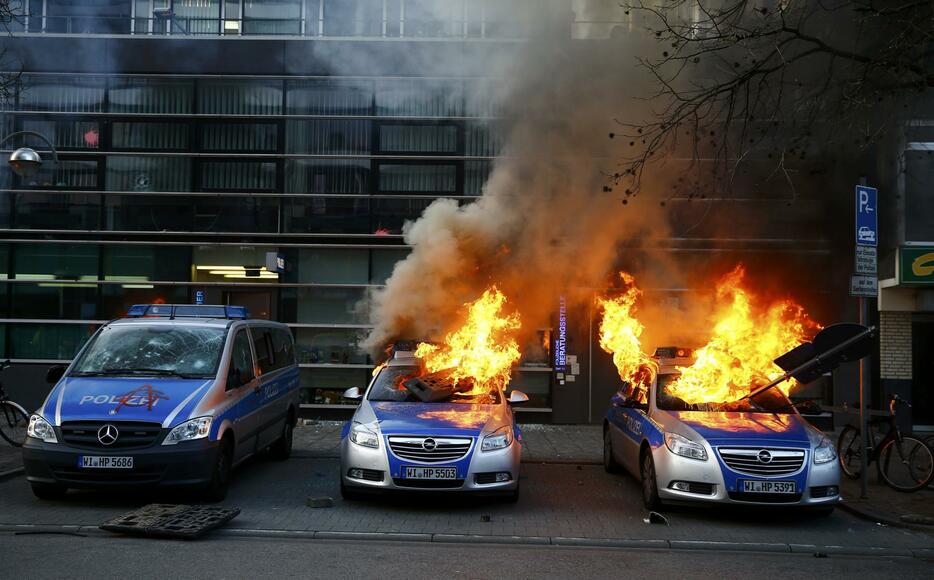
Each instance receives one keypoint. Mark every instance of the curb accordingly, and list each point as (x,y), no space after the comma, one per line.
(474,539)
(11,473)
(877,518)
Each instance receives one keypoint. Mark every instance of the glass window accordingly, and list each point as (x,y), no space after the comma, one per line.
(327,176)
(353,17)
(70,17)
(191,214)
(231,264)
(238,175)
(262,344)
(148,95)
(483,140)
(326,215)
(139,173)
(535,384)
(44,262)
(272,16)
(48,341)
(283,351)
(476,173)
(327,97)
(250,137)
(324,305)
(67,174)
(164,136)
(398,138)
(62,94)
(324,266)
(383,263)
(390,214)
(324,386)
(327,137)
(433,18)
(65,134)
(419,98)
(241,359)
(55,211)
(919,204)
(197,16)
(55,299)
(145,263)
(417,178)
(329,346)
(240,97)
(116,299)
(153,349)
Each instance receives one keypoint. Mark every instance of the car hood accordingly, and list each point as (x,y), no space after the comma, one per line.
(432,418)
(745,428)
(124,399)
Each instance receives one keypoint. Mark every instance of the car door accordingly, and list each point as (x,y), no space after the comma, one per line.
(242,383)
(628,417)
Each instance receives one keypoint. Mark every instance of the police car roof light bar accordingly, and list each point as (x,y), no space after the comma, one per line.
(187,311)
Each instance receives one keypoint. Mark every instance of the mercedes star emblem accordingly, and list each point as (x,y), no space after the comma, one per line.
(108,434)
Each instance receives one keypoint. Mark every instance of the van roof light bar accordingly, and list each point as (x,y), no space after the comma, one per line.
(187,311)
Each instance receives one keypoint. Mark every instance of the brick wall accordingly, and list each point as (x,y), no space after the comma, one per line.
(895,344)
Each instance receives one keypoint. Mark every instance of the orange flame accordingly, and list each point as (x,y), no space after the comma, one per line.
(468,417)
(746,422)
(620,334)
(483,350)
(746,339)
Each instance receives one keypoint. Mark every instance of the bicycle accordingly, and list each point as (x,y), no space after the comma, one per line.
(903,462)
(13,418)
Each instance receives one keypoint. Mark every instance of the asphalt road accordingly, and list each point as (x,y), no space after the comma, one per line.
(52,556)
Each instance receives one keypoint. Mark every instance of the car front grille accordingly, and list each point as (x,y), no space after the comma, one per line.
(130,434)
(762,462)
(430,449)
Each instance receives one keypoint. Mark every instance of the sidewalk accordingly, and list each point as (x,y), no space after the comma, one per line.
(10,458)
(886,506)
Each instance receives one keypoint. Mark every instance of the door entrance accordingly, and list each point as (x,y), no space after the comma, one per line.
(258,302)
(922,381)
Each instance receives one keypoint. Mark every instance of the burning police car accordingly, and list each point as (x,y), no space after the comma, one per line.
(758,450)
(418,432)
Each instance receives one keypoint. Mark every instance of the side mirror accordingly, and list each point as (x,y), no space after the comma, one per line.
(518,398)
(55,374)
(809,408)
(353,393)
(617,400)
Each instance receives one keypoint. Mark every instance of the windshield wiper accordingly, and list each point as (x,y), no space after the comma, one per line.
(138,371)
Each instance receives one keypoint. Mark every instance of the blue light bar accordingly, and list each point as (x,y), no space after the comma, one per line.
(187,311)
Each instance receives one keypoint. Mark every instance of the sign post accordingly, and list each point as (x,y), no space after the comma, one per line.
(865,284)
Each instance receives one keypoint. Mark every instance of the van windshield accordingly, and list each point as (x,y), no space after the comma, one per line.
(153,349)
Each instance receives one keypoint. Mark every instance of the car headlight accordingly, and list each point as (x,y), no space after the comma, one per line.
(684,447)
(364,435)
(189,431)
(39,428)
(499,439)
(823,447)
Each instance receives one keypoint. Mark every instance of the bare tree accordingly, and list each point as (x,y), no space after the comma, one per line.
(10,18)
(778,80)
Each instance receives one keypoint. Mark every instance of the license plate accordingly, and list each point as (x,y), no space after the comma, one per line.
(98,462)
(431,473)
(750,486)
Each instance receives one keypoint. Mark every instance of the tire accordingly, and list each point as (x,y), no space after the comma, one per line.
(609,462)
(223,470)
(848,451)
(906,466)
(650,497)
(13,423)
(282,448)
(49,492)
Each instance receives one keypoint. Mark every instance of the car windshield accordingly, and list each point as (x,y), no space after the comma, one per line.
(153,349)
(769,401)
(389,387)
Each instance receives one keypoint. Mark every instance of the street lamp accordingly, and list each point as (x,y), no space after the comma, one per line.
(26,161)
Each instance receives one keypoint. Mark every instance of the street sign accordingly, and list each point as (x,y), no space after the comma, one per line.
(275,262)
(867,222)
(916,265)
(865,286)
(199,296)
(866,262)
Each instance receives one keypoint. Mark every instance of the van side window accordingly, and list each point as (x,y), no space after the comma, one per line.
(241,361)
(282,342)
(265,355)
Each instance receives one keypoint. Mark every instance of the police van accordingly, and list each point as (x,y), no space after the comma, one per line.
(172,395)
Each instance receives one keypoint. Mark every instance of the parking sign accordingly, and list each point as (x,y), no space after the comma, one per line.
(867,222)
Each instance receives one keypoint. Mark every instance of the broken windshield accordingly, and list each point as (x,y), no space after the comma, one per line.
(768,401)
(153,349)
(390,386)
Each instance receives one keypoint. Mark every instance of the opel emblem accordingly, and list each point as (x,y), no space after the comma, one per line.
(765,457)
(108,434)
(429,444)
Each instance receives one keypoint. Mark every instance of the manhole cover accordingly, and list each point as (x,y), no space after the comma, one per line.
(171,520)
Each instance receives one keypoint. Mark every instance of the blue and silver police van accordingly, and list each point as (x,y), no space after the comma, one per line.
(172,395)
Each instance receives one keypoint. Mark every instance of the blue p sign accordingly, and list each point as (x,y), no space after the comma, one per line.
(867,222)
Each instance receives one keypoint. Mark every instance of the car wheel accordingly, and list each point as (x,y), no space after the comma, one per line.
(223,469)
(609,462)
(282,448)
(49,492)
(649,483)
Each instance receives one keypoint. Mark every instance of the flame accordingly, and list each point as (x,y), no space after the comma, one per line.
(483,350)
(465,418)
(746,422)
(746,337)
(620,333)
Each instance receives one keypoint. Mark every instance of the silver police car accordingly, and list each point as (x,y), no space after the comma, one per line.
(766,453)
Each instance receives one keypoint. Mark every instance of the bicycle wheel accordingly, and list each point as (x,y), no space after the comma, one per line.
(13,423)
(906,466)
(848,451)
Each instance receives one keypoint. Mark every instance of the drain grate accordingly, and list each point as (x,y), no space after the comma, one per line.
(171,520)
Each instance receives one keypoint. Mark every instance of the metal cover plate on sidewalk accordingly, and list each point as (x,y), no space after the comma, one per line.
(171,520)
